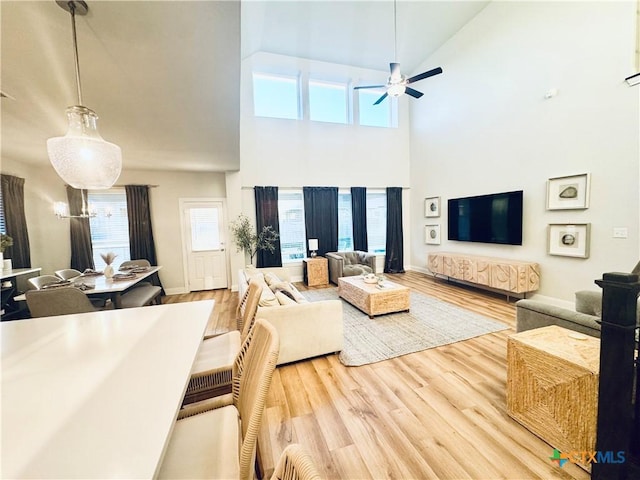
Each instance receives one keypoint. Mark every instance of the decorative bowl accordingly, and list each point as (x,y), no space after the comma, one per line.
(370,278)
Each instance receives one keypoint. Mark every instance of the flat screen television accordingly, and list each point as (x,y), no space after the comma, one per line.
(494,218)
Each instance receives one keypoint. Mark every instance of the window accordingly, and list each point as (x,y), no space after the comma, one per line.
(327,101)
(276,96)
(110,227)
(377,221)
(292,230)
(345,222)
(375,115)
(205,229)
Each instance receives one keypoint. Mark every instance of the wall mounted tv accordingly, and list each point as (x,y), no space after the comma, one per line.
(495,218)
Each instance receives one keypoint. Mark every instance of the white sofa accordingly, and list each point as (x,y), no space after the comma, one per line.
(306,329)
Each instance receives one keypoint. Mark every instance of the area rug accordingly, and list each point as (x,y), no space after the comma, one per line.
(430,323)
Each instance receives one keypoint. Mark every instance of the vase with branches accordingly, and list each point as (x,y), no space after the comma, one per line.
(5,242)
(247,240)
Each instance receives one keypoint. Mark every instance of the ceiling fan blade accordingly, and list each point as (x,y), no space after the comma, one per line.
(369,86)
(412,92)
(422,76)
(394,68)
(380,99)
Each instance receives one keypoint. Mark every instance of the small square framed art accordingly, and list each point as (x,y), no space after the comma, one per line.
(569,240)
(432,234)
(432,207)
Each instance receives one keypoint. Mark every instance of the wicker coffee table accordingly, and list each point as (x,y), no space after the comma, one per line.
(372,299)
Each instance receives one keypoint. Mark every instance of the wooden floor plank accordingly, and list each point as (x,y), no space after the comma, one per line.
(435,414)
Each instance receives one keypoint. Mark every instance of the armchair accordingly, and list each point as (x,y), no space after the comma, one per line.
(347,264)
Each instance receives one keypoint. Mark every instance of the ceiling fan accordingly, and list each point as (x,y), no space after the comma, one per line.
(397,84)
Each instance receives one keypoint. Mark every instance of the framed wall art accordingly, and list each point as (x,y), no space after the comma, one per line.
(432,234)
(568,193)
(569,240)
(432,207)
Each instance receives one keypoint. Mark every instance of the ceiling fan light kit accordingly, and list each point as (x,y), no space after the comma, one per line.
(397,84)
(82,158)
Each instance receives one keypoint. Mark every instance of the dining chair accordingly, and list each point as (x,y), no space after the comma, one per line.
(42,280)
(57,301)
(68,273)
(219,441)
(138,298)
(295,464)
(211,374)
(98,301)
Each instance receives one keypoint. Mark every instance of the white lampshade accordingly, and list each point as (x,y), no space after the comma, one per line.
(313,244)
(82,158)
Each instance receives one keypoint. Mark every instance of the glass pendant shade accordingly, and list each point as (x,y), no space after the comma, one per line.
(82,158)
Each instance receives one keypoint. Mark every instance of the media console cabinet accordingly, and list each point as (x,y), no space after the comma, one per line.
(510,276)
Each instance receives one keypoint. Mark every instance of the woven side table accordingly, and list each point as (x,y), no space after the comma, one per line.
(552,386)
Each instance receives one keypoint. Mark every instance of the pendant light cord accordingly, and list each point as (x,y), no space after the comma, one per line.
(72,10)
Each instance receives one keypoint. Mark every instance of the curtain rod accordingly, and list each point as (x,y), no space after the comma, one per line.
(135,185)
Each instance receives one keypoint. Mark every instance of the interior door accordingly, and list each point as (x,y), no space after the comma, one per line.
(206,259)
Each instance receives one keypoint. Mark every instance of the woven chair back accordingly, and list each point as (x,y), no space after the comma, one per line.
(57,301)
(251,307)
(252,374)
(295,464)
(68,273)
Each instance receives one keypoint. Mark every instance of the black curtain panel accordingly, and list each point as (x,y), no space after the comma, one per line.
(267,215)
(359,218)
(80,231)
(15,221)
(394,259)
(141,243)
(321,217)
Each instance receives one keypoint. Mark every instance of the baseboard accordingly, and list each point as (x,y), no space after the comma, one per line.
(175,291)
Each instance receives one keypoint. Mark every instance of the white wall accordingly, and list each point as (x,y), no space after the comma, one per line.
(297,153)
(49,236)
(484,126)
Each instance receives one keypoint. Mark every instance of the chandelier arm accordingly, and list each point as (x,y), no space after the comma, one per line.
(72,10)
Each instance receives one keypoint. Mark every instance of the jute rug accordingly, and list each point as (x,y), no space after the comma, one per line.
(430,323)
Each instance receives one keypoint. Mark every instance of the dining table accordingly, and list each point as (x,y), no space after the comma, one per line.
(96,283)
(95,395)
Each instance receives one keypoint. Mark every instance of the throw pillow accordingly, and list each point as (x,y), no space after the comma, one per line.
(283,298)
(271,278)
(267,298)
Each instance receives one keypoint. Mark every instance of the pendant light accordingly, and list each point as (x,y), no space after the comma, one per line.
(82,158)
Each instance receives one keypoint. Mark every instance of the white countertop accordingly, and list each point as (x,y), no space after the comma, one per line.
(95,395)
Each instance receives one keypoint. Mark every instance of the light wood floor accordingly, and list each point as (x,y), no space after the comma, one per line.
(435,414)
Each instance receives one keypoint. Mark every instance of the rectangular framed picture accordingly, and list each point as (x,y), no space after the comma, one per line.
(568,193)
(432,234)
(569,240)
(432,207)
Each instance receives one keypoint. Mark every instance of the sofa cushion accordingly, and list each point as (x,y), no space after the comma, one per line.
(267,297)
(589,302)
(291,291)
(350,258)
(271,278)
(285,298)
(351,270)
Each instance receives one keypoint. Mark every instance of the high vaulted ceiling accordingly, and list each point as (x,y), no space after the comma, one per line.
(164,76)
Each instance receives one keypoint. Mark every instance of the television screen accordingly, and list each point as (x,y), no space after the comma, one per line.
(495,218)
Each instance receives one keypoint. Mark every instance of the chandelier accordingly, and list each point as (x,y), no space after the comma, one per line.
(82,158)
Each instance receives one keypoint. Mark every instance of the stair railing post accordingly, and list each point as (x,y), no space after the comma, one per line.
(615,391)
